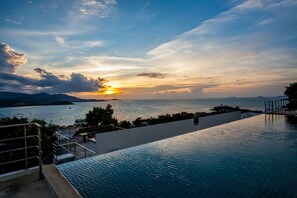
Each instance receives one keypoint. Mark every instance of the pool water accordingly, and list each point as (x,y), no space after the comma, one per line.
(255,157)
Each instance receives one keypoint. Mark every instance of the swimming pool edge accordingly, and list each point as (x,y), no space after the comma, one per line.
(58,184)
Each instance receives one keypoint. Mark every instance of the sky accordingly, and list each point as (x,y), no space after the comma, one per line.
(148,49)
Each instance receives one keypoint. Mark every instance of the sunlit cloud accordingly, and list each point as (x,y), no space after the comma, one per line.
(209,49)
(247,49)
(116,65)
(78,44)
(93,8)
(44,80)
(9,59)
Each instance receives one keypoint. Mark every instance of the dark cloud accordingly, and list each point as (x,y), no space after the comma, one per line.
(51,83)
(48,82)
(75,83)
(153,75)
(9,59)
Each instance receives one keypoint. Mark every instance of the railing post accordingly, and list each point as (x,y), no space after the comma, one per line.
(39,153)
(74,149)
(283,103)
(26,154)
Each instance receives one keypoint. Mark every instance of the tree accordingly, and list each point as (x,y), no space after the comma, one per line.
(291,92)
(125,124)
(137,122)
(100,115)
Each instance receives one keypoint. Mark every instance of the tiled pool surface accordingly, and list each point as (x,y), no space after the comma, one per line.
(255,157)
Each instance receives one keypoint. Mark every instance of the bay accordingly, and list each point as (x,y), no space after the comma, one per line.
(129,109)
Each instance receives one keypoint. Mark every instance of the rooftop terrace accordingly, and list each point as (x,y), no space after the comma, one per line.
(254,157)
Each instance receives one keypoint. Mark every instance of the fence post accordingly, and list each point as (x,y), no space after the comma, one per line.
(75,148)
(39,153)
(26,154)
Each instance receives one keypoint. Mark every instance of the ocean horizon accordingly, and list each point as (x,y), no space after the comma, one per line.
(130,109)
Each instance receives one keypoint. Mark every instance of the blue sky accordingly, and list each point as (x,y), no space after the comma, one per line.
(148,49)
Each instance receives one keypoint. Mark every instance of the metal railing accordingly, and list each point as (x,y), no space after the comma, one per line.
(26,147)
(271,106)
(65,145)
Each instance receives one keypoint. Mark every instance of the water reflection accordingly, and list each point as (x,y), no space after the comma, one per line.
(254,157)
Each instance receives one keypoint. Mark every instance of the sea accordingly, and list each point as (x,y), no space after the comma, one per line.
(130,109)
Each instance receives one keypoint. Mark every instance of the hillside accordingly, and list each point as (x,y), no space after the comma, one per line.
(10,99)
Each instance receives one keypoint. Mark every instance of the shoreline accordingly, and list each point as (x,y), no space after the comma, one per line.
(123,109)
(56,104)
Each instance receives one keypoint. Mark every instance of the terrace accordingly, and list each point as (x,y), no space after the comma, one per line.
(229,158)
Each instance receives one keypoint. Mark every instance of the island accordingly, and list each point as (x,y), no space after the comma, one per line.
(11,99)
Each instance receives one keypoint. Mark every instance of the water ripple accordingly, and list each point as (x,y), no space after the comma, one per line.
(241,159)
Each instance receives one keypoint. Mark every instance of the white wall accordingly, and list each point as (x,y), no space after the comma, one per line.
(116,140)
(214,120)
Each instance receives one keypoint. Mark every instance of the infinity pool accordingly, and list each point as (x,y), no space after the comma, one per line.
(255,157)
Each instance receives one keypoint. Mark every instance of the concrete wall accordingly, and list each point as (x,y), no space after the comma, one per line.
(116,140)
(111,141)
(214,120)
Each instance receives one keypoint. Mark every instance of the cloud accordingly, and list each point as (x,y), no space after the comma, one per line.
(153,75)
(250,4)
(251,39)
(46,81)
(44,33)
(78,44)
(101,9)
(61,84)
(109,66)
(9,59)
(163,88)
(51,83)
(13,21)
(60,40)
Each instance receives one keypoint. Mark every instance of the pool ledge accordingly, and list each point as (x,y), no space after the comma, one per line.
(58,184)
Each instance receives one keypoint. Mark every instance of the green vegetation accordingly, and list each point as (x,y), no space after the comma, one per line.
(163,119)
(47,135)
(102,116)
(291,92)
(125,124)
(226,109)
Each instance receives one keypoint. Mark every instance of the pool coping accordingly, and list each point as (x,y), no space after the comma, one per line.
(58,184)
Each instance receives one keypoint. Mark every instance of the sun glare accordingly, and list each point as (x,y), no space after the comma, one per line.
(110,91)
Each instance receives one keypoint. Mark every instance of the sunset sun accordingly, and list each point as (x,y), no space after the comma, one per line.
(110,91)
